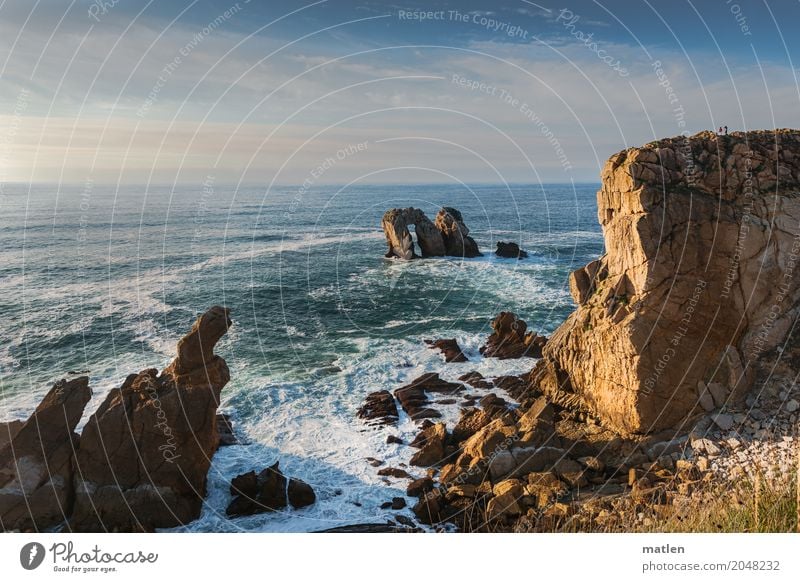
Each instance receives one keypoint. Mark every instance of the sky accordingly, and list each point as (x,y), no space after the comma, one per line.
(339,92)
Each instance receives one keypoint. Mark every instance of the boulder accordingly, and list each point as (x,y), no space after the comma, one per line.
(495,437)
(36,465)
(144,455)
(505,502)
(432,449)
(267,491)
(449,348)
(510,339)
(300,493)
(694,226)
(419,487)
(510,250)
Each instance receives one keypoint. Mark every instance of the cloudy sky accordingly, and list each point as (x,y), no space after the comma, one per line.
(474,91)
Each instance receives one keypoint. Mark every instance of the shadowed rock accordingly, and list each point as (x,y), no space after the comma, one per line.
(511,339)
(36,465)
(145,453)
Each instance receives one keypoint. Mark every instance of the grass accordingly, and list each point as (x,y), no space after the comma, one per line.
(748,506)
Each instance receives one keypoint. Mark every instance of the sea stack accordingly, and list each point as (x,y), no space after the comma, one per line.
(446,236)
(145,454)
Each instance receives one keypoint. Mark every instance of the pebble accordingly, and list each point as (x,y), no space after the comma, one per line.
(792,405)
(724,421)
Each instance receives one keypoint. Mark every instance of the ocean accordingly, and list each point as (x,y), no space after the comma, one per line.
(105,280)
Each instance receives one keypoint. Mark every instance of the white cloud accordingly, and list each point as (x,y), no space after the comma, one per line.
(229,115)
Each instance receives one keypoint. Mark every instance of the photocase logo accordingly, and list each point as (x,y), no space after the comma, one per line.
(31,555)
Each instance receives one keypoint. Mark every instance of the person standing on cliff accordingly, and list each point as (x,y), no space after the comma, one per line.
(719,131)
(726,130)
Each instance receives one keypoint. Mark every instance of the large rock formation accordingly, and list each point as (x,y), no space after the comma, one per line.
(36,465)
(448,236)
(702,238)
(144,455)
(455,234)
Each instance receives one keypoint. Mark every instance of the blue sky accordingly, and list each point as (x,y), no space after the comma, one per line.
(267,92)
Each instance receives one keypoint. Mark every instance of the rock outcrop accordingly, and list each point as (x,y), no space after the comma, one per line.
(450,349)
(511,339)
(699,278)
(36,465)
(447,236)
(145,454)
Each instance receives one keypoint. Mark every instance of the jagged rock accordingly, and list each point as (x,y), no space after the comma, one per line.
(36,465)
(705,400)
(511,339)
(536,425)
(476,380)
(510,250)
(494,437)
(428,509)
(432,447)
(694,227)
(414,401)
(455,234)
(449,348)
(379,408)
(145,453)
(545,487)
(471,421)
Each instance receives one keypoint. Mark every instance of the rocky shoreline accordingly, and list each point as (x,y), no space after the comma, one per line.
(660,389)
(674,377)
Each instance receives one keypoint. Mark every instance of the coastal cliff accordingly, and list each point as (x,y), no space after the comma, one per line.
(702,236)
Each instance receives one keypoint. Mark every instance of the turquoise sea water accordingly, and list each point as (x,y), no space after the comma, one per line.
(107,279)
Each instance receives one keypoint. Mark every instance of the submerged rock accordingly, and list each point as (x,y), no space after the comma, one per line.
(510,250)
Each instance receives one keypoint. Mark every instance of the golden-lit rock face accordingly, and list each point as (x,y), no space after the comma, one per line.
(699,279)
